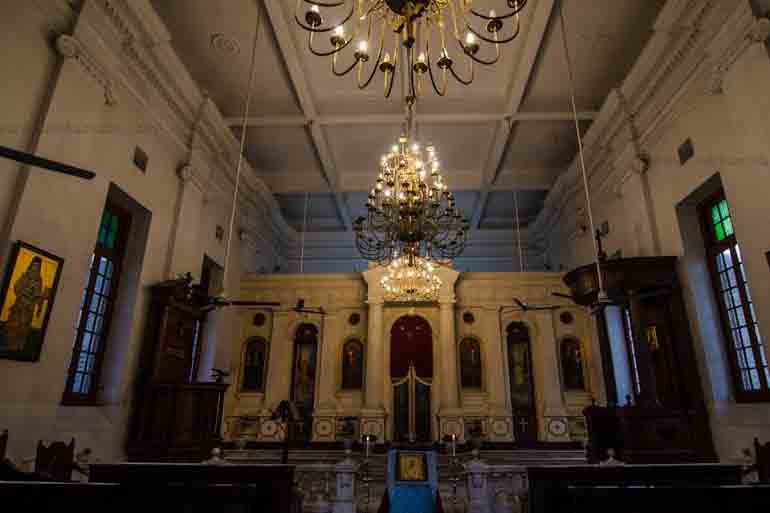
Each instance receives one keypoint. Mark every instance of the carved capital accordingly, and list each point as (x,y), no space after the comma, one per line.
(186,172)
(67,46)
(70,47)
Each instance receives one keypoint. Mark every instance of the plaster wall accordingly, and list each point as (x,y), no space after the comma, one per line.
(729,126)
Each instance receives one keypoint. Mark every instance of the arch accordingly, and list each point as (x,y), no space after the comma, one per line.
(411,341)
(572,364)
(469,355)
(352,364)
(254,360)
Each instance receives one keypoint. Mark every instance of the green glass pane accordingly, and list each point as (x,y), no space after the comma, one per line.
(720,232)
(723,209)
(103,228)
(728,224)
(715,215)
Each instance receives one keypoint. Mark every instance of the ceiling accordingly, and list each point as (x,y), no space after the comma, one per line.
(315,137)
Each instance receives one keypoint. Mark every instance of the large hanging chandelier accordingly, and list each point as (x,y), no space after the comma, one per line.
(422,27)
(411,280)
(410,211)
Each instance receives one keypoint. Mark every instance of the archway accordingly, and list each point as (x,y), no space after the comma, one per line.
(411,372)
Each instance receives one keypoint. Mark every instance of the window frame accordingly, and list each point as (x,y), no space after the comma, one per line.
(116,255)
(714,247)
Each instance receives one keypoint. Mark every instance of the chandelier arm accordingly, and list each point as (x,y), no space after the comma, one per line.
(347,70)
(496,39)
(459,78)
(336,50)
(319,3)
(442,91)
(479,60)
(389,83)
(519,6)
(322,30)
(376,65)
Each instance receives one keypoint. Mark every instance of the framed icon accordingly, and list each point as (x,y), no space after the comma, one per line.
(412,466)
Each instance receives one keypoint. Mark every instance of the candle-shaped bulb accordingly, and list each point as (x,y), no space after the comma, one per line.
(386,58)
(315,8)
(492,13)
(421,58)
(363,46)
(339,31)
(470,39)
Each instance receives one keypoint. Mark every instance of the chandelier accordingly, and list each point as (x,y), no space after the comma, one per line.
(422,27)
(411,280)
(410,212)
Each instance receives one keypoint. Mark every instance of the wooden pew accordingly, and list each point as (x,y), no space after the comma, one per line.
(3,444)
(762,465)
(549,487)
(703,499)
(45,497)
(272,484)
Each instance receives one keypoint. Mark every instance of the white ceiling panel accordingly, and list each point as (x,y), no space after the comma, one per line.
(281,150)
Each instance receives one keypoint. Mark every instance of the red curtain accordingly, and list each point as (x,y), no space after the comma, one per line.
(411,340)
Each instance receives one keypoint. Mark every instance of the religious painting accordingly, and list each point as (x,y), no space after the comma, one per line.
(254,365)
(352,365)
(470,363)
(572,365)
(522,386)
(27,298)
(412,466)
(303,379)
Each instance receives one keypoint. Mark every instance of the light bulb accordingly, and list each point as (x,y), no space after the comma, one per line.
(470,39)
(386,58)
(339,31)
(394,149)
(421,58)
(492,13)
(315,8)
(363,46)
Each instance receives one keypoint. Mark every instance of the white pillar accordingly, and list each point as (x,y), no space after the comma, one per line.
(450,396)
(374,355)
(279,365)
(495,362)
(183,253)
(328,362)
(548,381)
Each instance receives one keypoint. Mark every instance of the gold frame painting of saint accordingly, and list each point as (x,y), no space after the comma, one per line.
(412,467)
(27,298)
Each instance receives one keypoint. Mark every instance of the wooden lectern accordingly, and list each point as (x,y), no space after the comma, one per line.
(175,417)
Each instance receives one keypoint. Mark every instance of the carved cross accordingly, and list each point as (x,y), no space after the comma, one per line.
(523,424)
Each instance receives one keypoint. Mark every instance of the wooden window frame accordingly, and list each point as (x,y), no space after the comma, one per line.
(116,255)
(713,248)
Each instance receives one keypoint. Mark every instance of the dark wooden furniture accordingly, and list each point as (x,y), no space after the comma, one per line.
(56,460)
(175,418)
(667,421)
(271,484)
(44,497)
(550,487)
(703,499)
(3,444)
(762,465)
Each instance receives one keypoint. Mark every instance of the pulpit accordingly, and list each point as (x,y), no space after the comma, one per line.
(656,411)
(175,417)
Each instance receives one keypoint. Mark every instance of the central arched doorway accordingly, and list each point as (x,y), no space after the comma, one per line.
(522,382)
(411,373)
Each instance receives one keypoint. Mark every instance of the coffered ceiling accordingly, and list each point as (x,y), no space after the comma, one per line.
(316,139)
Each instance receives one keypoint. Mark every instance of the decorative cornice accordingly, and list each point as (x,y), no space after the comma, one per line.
(70,48)
(691,39)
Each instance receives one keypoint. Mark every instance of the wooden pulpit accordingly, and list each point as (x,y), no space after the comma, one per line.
(175,417)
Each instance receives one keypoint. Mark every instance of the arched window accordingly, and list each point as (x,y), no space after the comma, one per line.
(572,373)
(470,363)
(254,365)
(352,365)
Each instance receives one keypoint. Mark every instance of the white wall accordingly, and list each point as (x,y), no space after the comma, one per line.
(730,129)
(61,215)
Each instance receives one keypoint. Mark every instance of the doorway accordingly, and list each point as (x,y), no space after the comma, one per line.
(411,373)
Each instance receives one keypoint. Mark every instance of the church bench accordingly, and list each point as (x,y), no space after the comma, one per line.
(272,484)
(549,487)
(635,499)
(44,497)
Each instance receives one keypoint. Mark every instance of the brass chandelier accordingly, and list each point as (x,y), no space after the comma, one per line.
(422,27)
(410,281)
(410,212)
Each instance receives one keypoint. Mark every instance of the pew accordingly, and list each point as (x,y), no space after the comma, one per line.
(762,465)
(550,487)
(3,444)
(270,485)
(703,499)
(44,497)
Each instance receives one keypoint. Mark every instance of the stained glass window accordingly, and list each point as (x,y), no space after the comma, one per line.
(745,345)
(96,307)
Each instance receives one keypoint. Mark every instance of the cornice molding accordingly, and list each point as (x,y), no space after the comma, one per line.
(692,39)
(125,42)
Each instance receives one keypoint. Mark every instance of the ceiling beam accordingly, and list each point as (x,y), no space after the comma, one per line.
(535,38)
(397,119)
(283,34)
